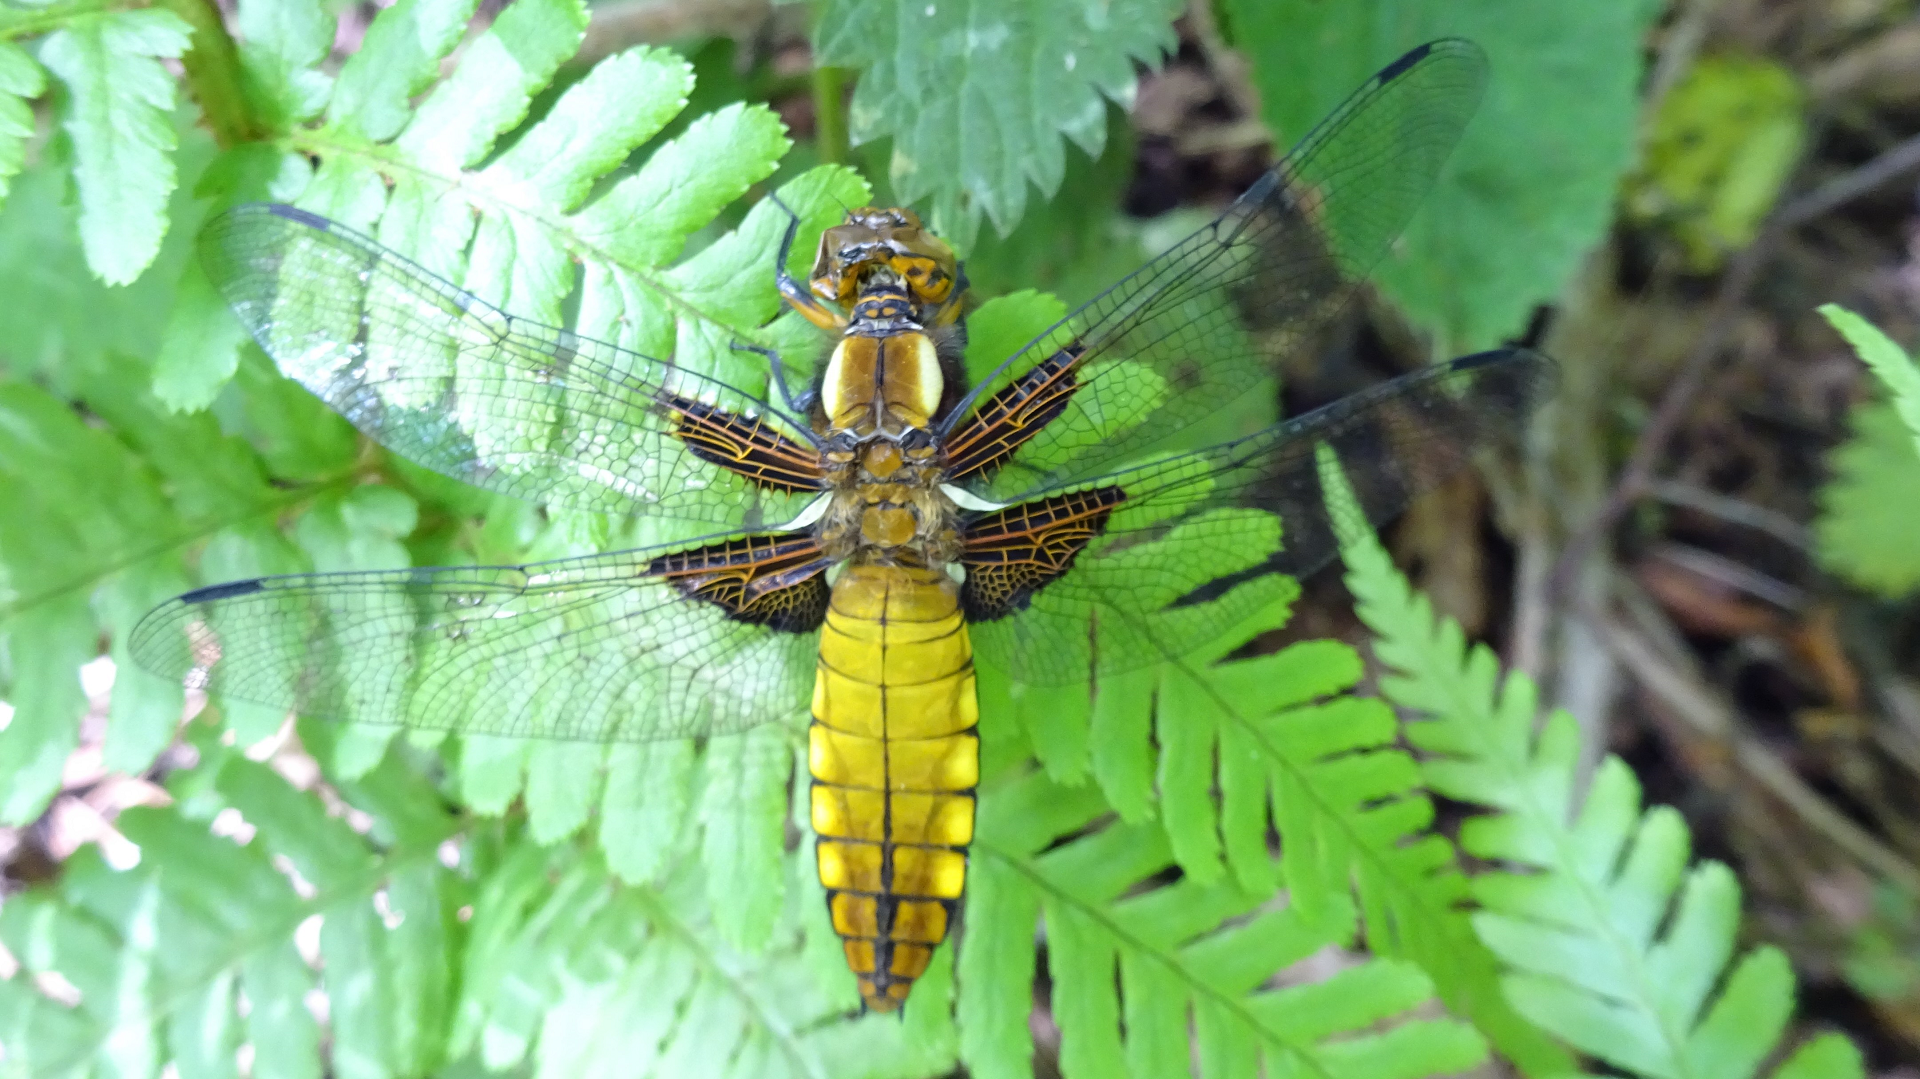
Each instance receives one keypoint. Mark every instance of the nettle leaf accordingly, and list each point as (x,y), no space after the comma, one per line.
(1608,939)
(976,94)
(118,114)
(1531,187)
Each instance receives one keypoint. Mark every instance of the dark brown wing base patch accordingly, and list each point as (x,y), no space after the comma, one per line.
(744,446)
(777,581)
(1014,553)
(1015,413)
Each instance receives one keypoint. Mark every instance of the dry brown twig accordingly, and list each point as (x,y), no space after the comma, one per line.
(1644,644)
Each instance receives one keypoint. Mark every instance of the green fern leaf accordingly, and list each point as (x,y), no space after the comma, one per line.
(63,322)
(1609,941)
(282,43)
(159,955)
(558,969)
(1351,819)
(1345,801)
(976,94)
(1888,361)
(1823,1057)
(1340,798)
(21,80)
(77,565)
(119,116)
(510,223)
(1133,962)
(1865,528)
(397,59)
(581,977)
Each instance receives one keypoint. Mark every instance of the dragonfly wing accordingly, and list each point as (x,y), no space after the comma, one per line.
(1173,552)
(448,381)
(1205,322)
(662,642)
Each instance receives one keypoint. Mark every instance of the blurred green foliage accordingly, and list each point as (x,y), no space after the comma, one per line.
(1865,531)
(1722,145)
(1880,959)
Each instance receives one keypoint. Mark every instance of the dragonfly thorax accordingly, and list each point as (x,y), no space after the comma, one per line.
(884,385)
(886,503)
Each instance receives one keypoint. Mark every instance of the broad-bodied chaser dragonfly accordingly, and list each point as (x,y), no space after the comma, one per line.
(879,533)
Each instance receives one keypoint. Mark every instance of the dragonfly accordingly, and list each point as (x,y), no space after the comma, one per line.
(876,535)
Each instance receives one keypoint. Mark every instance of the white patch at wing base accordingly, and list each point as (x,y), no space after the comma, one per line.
(967,500)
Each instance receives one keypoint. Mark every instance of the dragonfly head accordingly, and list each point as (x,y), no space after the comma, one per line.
(875,239)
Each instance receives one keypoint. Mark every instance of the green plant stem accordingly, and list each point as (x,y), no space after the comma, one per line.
(30,22)
(213,73)
(830,113)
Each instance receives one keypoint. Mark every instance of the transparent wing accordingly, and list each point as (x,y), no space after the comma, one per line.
(536,412)
(598,648)
(1203,323)
(1191,544)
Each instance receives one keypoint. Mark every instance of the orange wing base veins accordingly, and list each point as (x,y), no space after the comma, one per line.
(745,446)
(777,581)
(1015,413)
(1014,553)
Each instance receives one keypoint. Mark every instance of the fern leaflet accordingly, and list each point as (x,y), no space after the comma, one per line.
(1608,940)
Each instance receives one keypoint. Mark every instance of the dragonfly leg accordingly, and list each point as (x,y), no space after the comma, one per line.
(800,405)
(792,291)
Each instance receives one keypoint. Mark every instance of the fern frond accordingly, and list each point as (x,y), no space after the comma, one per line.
(1608,940)
(206,953)
(1888,362)
(123,971)
(78,566)
(1194,745)
(575,975)
(1137,964)
(1239,744)
(540,217)
(116,112)
(1866,523)
(1238,741)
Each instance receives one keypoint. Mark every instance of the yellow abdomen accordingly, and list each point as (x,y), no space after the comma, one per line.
(894,759)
